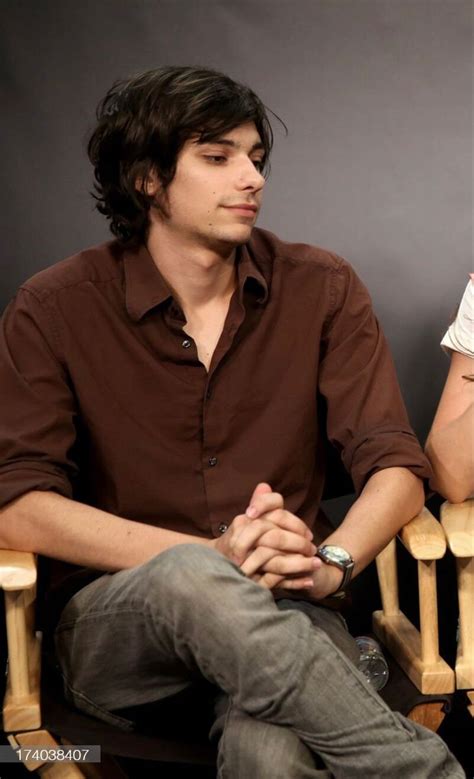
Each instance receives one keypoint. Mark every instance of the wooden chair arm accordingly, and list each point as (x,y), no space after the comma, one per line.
(423,537)
(21,707)
(17,570)
(457,520)
(416,651)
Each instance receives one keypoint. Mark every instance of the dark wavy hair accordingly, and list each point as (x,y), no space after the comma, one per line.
(143,123)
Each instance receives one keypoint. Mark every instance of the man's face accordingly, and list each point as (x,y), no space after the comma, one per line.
(216,193)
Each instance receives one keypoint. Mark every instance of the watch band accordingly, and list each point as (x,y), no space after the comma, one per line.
(346,577)
(329,554)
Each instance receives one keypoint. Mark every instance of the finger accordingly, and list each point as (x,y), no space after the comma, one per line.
(268,560)
(244,539)
(271,581)
(301,583)
(257,560)
(263,499)
(285,519)
(291,565)
(262,488)
(268,580)
(286,541)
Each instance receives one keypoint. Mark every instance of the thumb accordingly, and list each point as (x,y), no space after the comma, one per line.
(262,488)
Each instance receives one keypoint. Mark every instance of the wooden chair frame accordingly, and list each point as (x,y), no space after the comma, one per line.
(22,705)
(416,651)
(457,521)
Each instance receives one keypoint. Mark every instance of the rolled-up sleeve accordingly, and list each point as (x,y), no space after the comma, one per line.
(37,414)
(366,418)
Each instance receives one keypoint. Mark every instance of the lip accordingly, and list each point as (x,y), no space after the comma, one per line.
(244,208)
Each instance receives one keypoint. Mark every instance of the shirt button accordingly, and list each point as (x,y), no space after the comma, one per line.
(186,343)
(212,461)
(222,527)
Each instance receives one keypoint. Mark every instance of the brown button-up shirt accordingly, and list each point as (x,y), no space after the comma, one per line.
(104,398)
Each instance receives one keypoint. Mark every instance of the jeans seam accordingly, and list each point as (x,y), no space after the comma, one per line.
(105,713)
(67,624)
(221,747)
(204,667)
(349,668)
(354,673)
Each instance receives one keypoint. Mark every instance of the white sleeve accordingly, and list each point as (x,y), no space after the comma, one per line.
(459,336)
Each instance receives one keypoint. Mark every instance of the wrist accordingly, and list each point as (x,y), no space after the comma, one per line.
(338,558)
(327,579)
(335,578)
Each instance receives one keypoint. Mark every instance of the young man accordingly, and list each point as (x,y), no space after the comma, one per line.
(164,429)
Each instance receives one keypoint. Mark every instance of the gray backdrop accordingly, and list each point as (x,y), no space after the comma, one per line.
(377,165)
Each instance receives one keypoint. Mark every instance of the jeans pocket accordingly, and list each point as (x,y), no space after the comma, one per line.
(89,707)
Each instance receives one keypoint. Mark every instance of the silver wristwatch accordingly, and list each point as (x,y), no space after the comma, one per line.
(336,555)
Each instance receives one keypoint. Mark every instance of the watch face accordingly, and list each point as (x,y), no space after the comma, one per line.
(336,554)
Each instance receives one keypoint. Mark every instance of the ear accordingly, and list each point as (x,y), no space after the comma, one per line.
(149,184)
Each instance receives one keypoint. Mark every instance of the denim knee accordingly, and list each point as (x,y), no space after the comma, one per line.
(189,571)
(252,748)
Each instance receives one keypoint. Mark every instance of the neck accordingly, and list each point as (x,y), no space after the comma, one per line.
(198,275)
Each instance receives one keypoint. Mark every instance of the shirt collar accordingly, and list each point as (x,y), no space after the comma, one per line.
(249,276)
(145,286)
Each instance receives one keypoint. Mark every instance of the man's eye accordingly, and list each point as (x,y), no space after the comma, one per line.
(217,159)
(259,164)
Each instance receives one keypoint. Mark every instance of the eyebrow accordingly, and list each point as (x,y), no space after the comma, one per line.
(257,146)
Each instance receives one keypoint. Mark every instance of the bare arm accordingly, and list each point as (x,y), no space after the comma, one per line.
(49,524)
(450,443)
(388,501)
(52,525)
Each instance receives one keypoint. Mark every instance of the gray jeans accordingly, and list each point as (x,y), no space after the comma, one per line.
(290,689)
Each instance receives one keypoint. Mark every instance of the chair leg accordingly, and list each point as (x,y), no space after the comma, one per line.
(428,612)
(416,651)
(430,715)
(465,654)
(60,771)
(470,706)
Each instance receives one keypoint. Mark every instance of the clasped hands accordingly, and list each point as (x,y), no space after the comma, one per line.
(275,548)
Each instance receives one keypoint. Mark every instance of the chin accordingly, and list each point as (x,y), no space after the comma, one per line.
(236,236)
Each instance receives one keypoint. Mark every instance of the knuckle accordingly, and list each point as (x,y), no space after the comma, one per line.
(259,557)
(275,566)
(279,499)
(238,549)
(281,515)
(273,538)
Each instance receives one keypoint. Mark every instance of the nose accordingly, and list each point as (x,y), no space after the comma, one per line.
(249,177)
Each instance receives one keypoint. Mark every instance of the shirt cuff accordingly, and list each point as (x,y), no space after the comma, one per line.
(18,480)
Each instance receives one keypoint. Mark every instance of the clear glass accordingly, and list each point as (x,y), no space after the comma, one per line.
(372,662)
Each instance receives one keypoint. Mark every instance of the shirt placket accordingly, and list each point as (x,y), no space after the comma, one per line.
(214,449)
